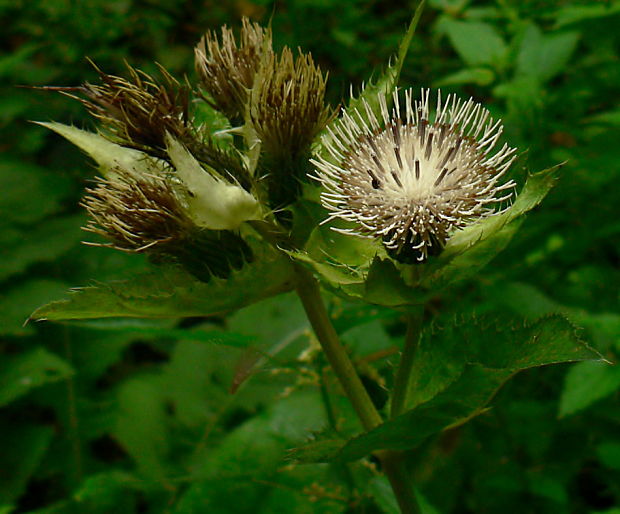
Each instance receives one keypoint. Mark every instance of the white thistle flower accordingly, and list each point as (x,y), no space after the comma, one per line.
(411,181)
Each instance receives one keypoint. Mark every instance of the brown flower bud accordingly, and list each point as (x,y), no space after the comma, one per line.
(227,69)
(287,111)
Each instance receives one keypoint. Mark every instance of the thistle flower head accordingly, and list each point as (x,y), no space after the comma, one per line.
(287,111)
(139,111)
(411,179)
(136,213)
(288,104)
(227,69)
(147,214)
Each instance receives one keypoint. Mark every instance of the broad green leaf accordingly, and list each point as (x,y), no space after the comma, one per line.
(106,492)
(477,43)
(19,375)
(456,372)
(543,56)
(577,13)
(29,193)
(19,248)
(384,285)
(587,383)
(23,448)
(250,457)
(141,425)
(480,76)
(283,323)
(172,292)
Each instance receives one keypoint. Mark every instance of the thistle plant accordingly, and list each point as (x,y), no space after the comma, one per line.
(407,195)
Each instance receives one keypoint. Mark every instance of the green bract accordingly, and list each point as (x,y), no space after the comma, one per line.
(212,202)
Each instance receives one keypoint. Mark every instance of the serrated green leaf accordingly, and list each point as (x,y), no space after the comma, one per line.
(172,292)
(19,375)
(458,370)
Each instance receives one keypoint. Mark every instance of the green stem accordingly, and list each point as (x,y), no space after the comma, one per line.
(405,366)
(310,295)
(394,468)
(392,461)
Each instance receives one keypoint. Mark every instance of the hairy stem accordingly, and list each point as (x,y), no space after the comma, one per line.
(403,374)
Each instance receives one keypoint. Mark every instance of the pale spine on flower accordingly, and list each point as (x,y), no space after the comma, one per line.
(411,181)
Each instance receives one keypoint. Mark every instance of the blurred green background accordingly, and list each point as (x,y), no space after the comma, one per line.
(136,416)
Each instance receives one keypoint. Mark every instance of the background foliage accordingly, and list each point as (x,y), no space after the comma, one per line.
(138,416)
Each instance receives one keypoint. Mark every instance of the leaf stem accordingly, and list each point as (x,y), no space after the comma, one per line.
(310,296)
(405,366)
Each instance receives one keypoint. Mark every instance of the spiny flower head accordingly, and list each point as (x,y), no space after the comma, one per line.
(411,180)
(287,111)
(227,69)
(288,103)
(147,213)
(139,111)
(136,213)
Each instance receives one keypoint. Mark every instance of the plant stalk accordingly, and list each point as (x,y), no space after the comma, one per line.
(405,366)
(310,295)
(394,468)
(392,461)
